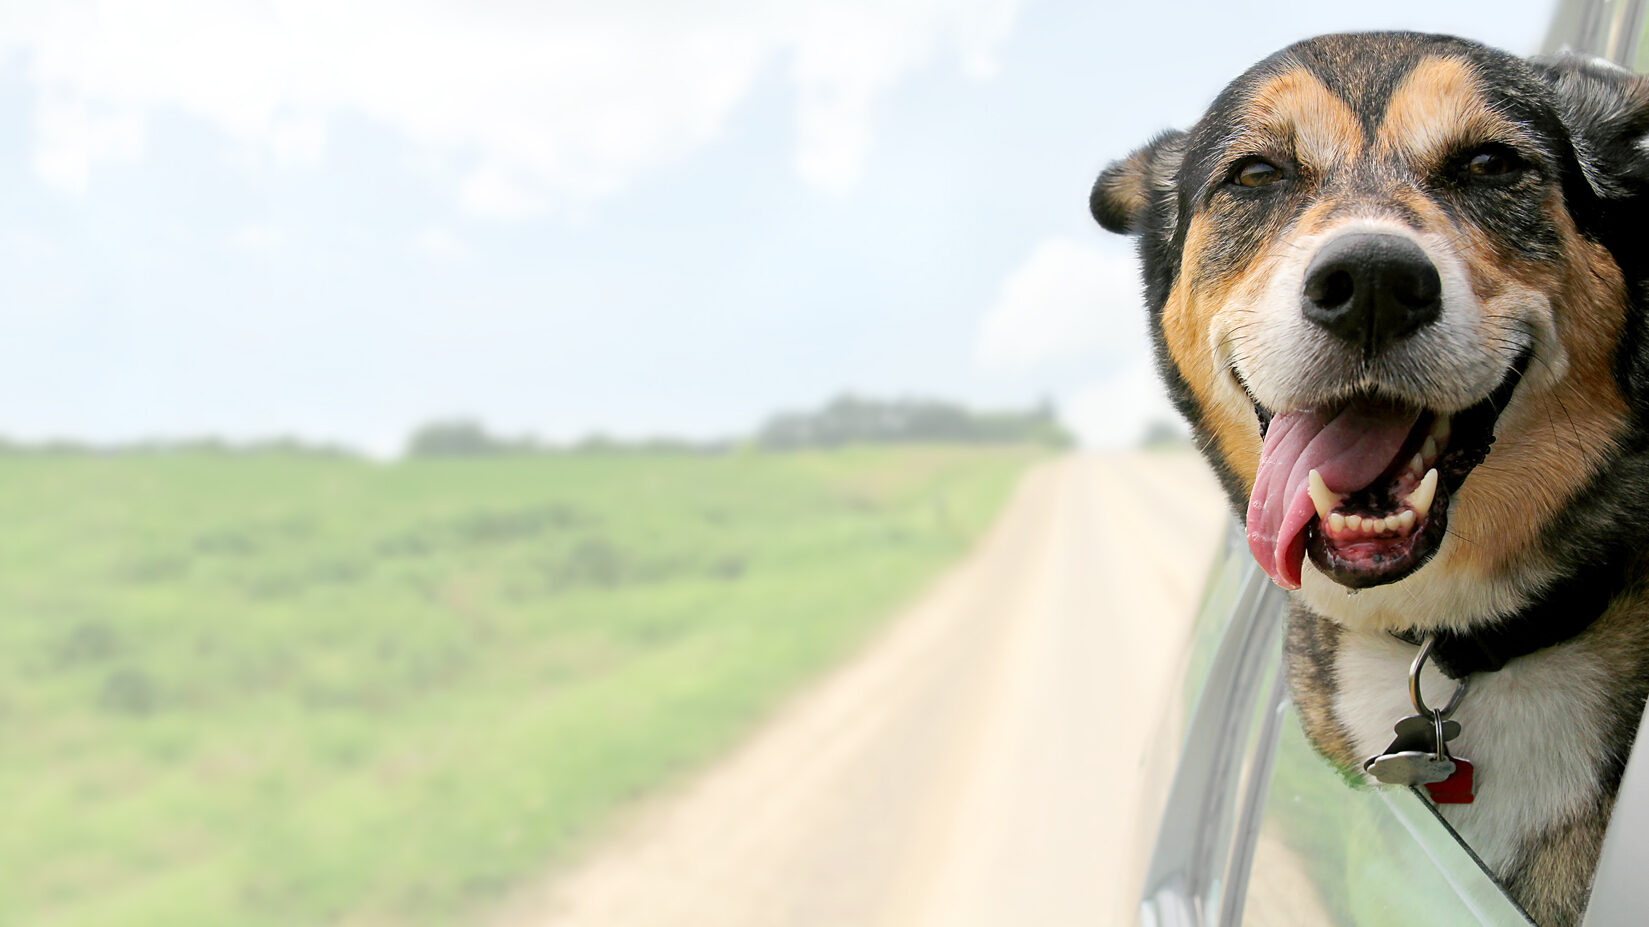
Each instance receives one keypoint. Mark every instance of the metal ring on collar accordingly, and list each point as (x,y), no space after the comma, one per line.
(1414,683)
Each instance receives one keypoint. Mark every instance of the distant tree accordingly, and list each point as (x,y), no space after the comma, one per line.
(599,443)
(213,445)
(290,445)
(852,420)
(455,438)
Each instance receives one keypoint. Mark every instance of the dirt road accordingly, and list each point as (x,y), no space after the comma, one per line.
(980,764)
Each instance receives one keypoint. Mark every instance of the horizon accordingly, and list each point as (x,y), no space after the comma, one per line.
(507,441)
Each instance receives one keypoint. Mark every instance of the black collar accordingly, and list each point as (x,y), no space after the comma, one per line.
(1562,611)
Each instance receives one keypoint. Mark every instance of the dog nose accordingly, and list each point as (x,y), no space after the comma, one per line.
(1372,289)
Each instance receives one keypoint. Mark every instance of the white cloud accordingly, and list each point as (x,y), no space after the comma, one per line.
(1114,411)
(441,244)
(848,54)
(72,134)
(1074,304)
(538,104)
(1069,300)
(25,244)
(258,238)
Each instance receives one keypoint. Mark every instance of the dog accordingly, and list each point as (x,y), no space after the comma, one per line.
(1397,287)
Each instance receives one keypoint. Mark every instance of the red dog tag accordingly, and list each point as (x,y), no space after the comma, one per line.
(1457,788)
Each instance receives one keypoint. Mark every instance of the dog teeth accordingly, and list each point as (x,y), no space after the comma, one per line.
(1440,430)
(1429,449)
(1397,523)
(1417,466)
(1340,524)
(1420,500)
(1322,497)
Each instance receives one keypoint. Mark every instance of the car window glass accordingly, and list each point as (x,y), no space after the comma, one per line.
(1330,853)
(1640,53)
(1200,856)
(1219,601)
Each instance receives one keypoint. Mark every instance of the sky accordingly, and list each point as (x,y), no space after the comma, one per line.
(337,221)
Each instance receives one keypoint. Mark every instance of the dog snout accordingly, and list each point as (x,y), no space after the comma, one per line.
(1372,289)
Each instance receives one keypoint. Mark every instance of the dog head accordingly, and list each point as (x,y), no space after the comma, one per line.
(1372,258)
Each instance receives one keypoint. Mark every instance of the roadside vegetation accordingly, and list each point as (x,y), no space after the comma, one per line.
(277,687)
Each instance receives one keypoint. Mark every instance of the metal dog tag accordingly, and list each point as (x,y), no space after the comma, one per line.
(1422,727)
(1420,753)
(1410,767)
(1416,757)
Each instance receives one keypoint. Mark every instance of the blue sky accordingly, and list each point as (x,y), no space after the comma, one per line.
(340,220)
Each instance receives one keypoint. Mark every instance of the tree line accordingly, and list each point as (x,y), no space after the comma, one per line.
(842,421)
(845,420)
(851,420)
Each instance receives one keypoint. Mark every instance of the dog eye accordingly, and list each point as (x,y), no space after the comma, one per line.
(1492,164)
(1256,173)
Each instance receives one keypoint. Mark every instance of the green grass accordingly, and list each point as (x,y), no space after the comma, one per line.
(270,690)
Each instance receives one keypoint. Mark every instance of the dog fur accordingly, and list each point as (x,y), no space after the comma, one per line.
(1369,132)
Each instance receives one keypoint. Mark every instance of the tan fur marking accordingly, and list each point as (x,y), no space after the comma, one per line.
(1554,439)
(1197,324)
(1296,113)
(1292,114)
(1187,328)
(1439,104)
(1316,218)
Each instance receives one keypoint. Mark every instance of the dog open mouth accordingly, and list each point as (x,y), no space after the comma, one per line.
(1363,485)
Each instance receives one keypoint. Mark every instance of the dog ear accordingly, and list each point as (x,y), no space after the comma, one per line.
(1606,110)
(1125,190)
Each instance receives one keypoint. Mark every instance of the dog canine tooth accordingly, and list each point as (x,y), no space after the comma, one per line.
(1440,429)
(1421,498)
(1322,497)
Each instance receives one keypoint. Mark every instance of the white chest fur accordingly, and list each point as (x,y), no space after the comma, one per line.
(1533,731)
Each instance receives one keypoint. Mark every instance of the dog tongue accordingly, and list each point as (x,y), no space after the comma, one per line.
(1350,447)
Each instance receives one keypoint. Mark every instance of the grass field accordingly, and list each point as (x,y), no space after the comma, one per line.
(267,690)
